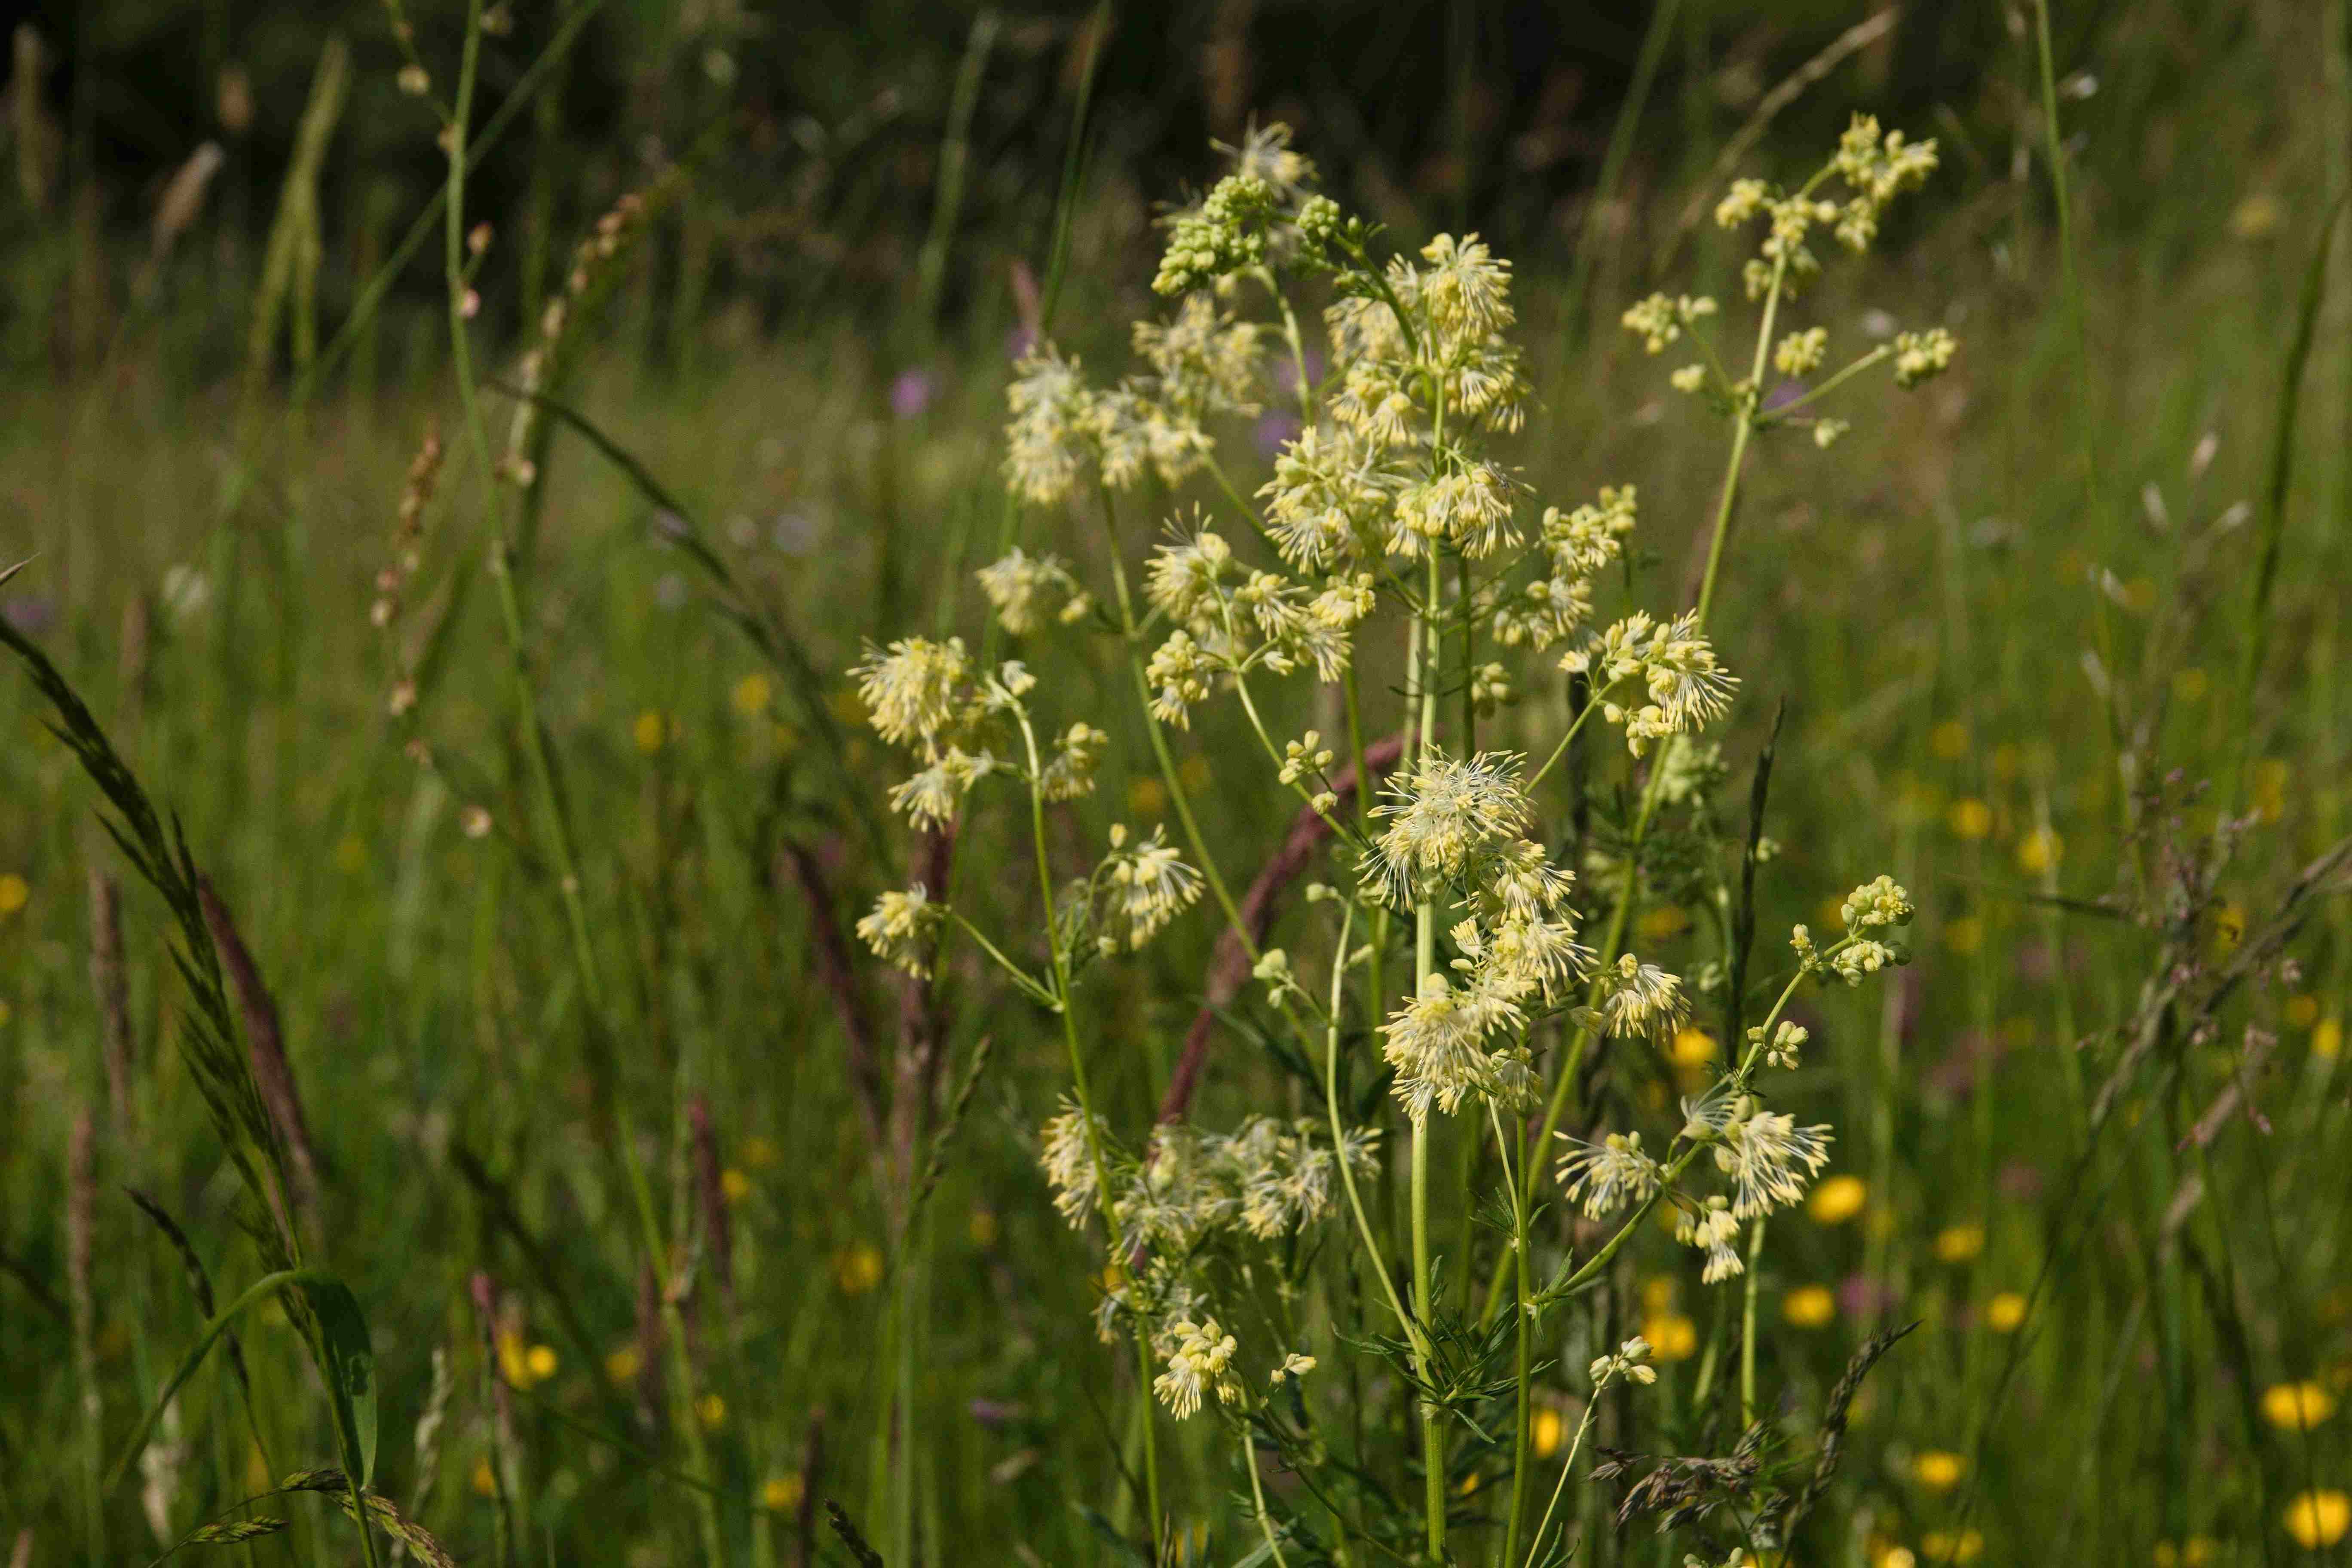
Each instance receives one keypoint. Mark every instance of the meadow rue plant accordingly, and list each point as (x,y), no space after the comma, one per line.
(1454,933)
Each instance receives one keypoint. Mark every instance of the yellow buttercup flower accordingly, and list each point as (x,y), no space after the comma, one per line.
(1545,1432)
(782,1494)
(711,1409)
(2318,1519)
(759,1152)
(621,1365)
(1970,819)
(751,695)
(857,1268)
(2197,1552)
(1809,1307)
(1146,797)
(485,1481)
(1960,1243)
(2038,850)
(540,1360)
(15,893)
(981,1227)
(1938,1470)
(1940,1546)
(1837,1200)
(2004,1312)
(2297,1407)
(1949,740)
(1692,1046)
(1672,1337)
(2327,1038)
(734,1185)
(2303,1011)
(651,732)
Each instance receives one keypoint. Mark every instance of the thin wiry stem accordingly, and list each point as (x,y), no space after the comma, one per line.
(535,749)
(1086,1101)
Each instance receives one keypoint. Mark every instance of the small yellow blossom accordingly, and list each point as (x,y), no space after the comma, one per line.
(2318,1519)
(2303,1011)
(1692,1046)
(2197,1552)
(1192,772)
(2327,1038)
(1809,1307)
(1146,797)
(1837,1200)
(1949,740)
(514,1358)
(752,694)
(2005,1312)
(2255,218)
(651,732)
(1960,1243)
(2039,851)
(2229,926)
(857,1268)
(2271,777)
(1942,1546)
(1938,1470)
(539,1361)
(1964,936)
(2297,1407)
(1970,819)
(981,1227)
(711,1410)
(1672,1337)
(759,1152)
(1662,922)
(782,1494)
(1545,1432)
(1892,1556)
(15,892)
(734,1185)
(485,1482)
(1657,1294)
(621,1365)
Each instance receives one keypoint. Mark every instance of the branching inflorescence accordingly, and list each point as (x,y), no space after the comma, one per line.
(1393,511)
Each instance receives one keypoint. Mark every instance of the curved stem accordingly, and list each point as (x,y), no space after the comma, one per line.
(1748,1329)
(1086,1101)
(1566,1468)
(1653,789)
(1257,1496)
(1340,1136)
(1781,413)
(1521,1410)
(1592,702)
(1175,786)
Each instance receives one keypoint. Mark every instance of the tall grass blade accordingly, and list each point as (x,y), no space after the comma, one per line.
(350,1362)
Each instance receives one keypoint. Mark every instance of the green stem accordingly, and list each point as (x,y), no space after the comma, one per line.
(1521,1408)
(1748,1329)
(1652,791)
(1086,1109)
(1176,795)
(1340,1134)
(1779,414)
(542,768)
(1433,1434)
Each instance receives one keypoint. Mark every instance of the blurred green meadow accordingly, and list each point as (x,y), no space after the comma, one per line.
(2060,640)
